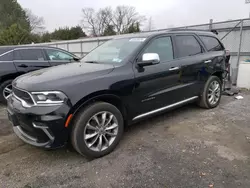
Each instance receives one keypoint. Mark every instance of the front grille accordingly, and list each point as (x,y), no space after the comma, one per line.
(22,95)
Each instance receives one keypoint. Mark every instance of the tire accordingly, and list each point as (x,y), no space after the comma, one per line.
(80,130)
(2,87)
(205,101)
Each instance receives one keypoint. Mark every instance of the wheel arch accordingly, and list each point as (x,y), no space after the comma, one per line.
(11,76)
(103,96)
(219,74)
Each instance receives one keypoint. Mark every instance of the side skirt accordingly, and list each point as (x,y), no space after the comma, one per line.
(165,108)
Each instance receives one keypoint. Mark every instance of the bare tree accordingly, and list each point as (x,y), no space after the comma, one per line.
(104,17)
(89,20)
(125,16)
(36,22)
(96,22)
(121,19)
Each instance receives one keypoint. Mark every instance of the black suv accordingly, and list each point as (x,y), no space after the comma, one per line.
(119,83)
(17,60)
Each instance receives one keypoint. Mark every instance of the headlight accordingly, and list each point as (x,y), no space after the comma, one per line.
(49,97)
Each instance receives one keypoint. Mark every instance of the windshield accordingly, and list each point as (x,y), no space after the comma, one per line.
(113,51)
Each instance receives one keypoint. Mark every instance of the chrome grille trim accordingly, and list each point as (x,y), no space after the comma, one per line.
(30,139)
(22,100)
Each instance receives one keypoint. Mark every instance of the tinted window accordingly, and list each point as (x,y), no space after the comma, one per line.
(187,46)
(114,51)
(211,43)
(29,54)
(163,47)
(58,55)
(6,57)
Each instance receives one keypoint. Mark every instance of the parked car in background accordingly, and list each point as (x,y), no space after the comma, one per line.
(18,60)
(118,83)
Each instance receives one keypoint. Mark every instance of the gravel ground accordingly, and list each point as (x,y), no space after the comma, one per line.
(188,147)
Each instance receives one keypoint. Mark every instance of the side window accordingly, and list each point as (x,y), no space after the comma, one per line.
(7,57)
(163,47)
(29,54)
(211,43)
(187,46)
(58,55)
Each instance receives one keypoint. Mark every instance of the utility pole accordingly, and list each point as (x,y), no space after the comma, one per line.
(210,24)
(247,2)
(150,24)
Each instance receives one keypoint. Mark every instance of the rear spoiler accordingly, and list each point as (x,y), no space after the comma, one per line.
(214,31)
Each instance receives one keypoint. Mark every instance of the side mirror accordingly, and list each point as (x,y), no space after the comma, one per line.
(76,58)
(149,59)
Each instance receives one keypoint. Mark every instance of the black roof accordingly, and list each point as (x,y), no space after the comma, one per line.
(4,49)
(25,46)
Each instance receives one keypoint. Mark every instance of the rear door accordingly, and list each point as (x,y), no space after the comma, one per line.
(191,59)
(29,59)
(58,57)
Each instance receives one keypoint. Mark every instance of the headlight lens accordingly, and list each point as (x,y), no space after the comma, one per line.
(49,97)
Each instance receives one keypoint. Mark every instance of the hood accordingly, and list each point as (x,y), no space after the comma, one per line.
(54,77)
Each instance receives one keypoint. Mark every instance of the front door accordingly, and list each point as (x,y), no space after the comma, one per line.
(31,59)
(156,85)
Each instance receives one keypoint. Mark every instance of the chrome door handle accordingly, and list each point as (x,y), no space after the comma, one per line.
(174,68)
(208,61)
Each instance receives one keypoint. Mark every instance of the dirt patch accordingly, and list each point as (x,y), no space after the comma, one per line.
(230,154)
(188,147)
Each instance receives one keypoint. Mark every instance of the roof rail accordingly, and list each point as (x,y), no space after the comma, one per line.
(184,29)
(203,30)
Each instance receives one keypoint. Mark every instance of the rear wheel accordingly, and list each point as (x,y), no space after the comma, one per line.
(97,130)
(5,90)
(211,94)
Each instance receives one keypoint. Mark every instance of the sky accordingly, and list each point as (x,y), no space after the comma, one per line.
(164,13)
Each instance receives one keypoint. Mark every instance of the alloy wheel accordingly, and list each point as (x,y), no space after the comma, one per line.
(7,91)
(101,131)
(214,92)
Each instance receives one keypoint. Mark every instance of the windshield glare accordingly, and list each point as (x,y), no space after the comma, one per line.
(113,51)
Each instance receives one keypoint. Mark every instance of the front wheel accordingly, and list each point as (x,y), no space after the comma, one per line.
(97,130)
(5,90)
(211,94)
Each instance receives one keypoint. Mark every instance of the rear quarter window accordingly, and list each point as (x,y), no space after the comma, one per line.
(211,43)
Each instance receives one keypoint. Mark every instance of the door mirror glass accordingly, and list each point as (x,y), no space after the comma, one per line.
(149,59)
